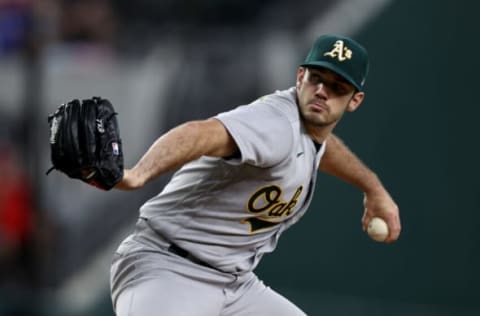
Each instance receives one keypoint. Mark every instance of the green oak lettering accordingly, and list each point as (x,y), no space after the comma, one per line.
(264,199)
(267,203)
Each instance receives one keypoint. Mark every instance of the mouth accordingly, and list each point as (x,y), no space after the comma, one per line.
(319,106)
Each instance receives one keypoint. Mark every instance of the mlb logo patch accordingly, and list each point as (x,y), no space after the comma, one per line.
(116,150)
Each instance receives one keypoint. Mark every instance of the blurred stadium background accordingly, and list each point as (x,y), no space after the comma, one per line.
(165,62)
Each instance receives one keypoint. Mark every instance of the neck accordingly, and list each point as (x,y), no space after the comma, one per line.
(319,133)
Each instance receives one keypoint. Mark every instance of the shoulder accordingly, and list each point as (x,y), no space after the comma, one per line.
(264,128)
(277,106)
(283,101)
(274,111)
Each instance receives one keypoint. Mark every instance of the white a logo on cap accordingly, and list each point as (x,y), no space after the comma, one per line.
(339,51)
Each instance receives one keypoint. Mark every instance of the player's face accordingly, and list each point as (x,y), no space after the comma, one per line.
(323,96)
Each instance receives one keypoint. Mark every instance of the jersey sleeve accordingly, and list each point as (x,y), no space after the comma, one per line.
(262,133)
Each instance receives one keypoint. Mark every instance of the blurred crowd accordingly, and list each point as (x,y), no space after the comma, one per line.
(27,28)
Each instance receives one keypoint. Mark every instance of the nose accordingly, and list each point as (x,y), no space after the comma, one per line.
(321,90)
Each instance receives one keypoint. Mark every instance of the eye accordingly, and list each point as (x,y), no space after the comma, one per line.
(338,89)
(314,78)
(341,89)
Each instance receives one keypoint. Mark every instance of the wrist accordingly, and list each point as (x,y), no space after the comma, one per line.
(130,181)
(373,186)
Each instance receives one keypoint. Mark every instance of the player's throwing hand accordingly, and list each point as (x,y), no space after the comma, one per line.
(380,204)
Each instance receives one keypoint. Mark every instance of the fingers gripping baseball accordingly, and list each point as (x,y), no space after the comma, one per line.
(380,204)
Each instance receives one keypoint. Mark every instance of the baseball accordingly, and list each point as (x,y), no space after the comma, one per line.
(377,229)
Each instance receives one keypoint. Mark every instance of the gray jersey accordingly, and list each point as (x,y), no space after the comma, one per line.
(230,212)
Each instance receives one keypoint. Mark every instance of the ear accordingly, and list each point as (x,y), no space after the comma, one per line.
(300,73)
(355,101)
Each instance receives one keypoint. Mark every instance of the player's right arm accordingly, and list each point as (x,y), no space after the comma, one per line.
(341,162)
(177,147)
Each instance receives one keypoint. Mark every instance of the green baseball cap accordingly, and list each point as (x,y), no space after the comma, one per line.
(341,55)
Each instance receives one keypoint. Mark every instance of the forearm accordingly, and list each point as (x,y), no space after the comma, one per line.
(175,148)
(341,162)
(179,146)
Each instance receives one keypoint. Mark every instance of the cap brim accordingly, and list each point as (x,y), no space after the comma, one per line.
(333,68)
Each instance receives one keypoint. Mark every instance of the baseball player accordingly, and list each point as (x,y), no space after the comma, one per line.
(243,178)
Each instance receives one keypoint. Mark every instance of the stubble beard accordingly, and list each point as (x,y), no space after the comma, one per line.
(316,119)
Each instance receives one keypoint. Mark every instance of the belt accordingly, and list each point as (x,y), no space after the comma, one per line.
(144,230)
(187,255)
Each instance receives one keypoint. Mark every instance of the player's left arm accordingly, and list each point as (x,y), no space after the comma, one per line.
(341,162)
(180,145)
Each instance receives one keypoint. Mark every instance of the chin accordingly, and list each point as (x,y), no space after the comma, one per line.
(313,119)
